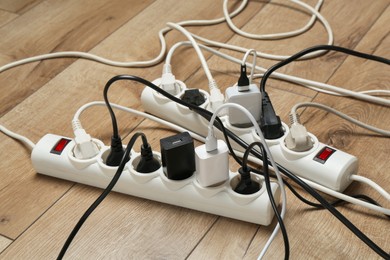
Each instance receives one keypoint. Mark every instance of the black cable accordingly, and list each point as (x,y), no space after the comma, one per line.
(244,145)
(104,193)
(269,191)
(333,203)
(318,48)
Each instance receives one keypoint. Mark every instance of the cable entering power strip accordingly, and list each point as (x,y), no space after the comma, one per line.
(53,155)
(322,164)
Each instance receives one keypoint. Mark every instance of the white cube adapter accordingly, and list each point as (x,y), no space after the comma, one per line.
(212,168)
(250,99)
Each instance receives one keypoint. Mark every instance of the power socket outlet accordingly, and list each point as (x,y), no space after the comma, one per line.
(322,164)
(53,156)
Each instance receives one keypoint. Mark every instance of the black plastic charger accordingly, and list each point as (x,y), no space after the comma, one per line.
(178,156)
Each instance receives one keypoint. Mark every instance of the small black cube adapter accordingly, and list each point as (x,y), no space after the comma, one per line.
(178,156)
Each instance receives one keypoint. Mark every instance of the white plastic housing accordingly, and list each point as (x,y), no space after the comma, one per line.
(212,168)
(250,99)
(220,200)
(334,173)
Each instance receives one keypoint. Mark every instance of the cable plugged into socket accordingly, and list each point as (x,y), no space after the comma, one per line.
(246,95)
(246,185)
(212,167)
(148,163)
(270,123)
(117,152)
(85,147)
(298,139)
(178,157)
(168,81)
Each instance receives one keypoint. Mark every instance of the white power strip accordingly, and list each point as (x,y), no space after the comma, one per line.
(53,156)
(322,164)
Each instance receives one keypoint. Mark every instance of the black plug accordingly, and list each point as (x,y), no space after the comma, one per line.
(270,123)
(193,96)
(148,162)
(243,81)
(246,185)
(117,152)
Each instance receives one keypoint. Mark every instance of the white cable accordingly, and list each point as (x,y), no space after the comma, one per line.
(304,82)
(279,177)
(16,136)
(371,92)
(372,184)
(196,47)
(272,36)
(253,62)
(93,57)
(138,113)
(272,56)
(337,113)
(328,191)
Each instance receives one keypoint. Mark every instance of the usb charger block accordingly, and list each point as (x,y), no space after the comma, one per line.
(212,168)
(178,156)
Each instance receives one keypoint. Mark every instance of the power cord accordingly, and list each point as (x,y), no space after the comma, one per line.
(104,194)
(367,96)
(270,195)
(18,137)
(285,171)
(314,49)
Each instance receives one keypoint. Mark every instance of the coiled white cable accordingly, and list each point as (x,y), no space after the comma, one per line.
(272,56)
(140,64)
(273,36)
(294,116)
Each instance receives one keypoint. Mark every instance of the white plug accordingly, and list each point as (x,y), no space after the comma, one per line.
(216,97)
(212,167)
(85,147)
(247,96)
(168,81)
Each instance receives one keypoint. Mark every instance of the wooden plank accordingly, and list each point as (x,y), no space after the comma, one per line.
(6,17)
(4,242)
(82,82)
(347,33)
(42,31)
(122,227)
(331,237)
(18,6)
(227,239)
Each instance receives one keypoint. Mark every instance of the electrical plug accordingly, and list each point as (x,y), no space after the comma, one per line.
(246,185)
(148,162)
(298,139)
(85,147)
(193,96)
(212,167)
(243,82)
(117,152)
(246,95)
(270,123)
(216,97)
(168,81)
(178,156)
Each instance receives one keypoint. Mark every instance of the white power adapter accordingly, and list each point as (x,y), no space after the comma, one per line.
(248,97)
(212,168)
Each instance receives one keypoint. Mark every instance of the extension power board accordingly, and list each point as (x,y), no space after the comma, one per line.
(53,155)
(322,164)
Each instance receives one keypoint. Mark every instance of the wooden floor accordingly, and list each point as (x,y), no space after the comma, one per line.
(37,212)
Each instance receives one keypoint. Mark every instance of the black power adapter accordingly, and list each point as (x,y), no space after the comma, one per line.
(178,156)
